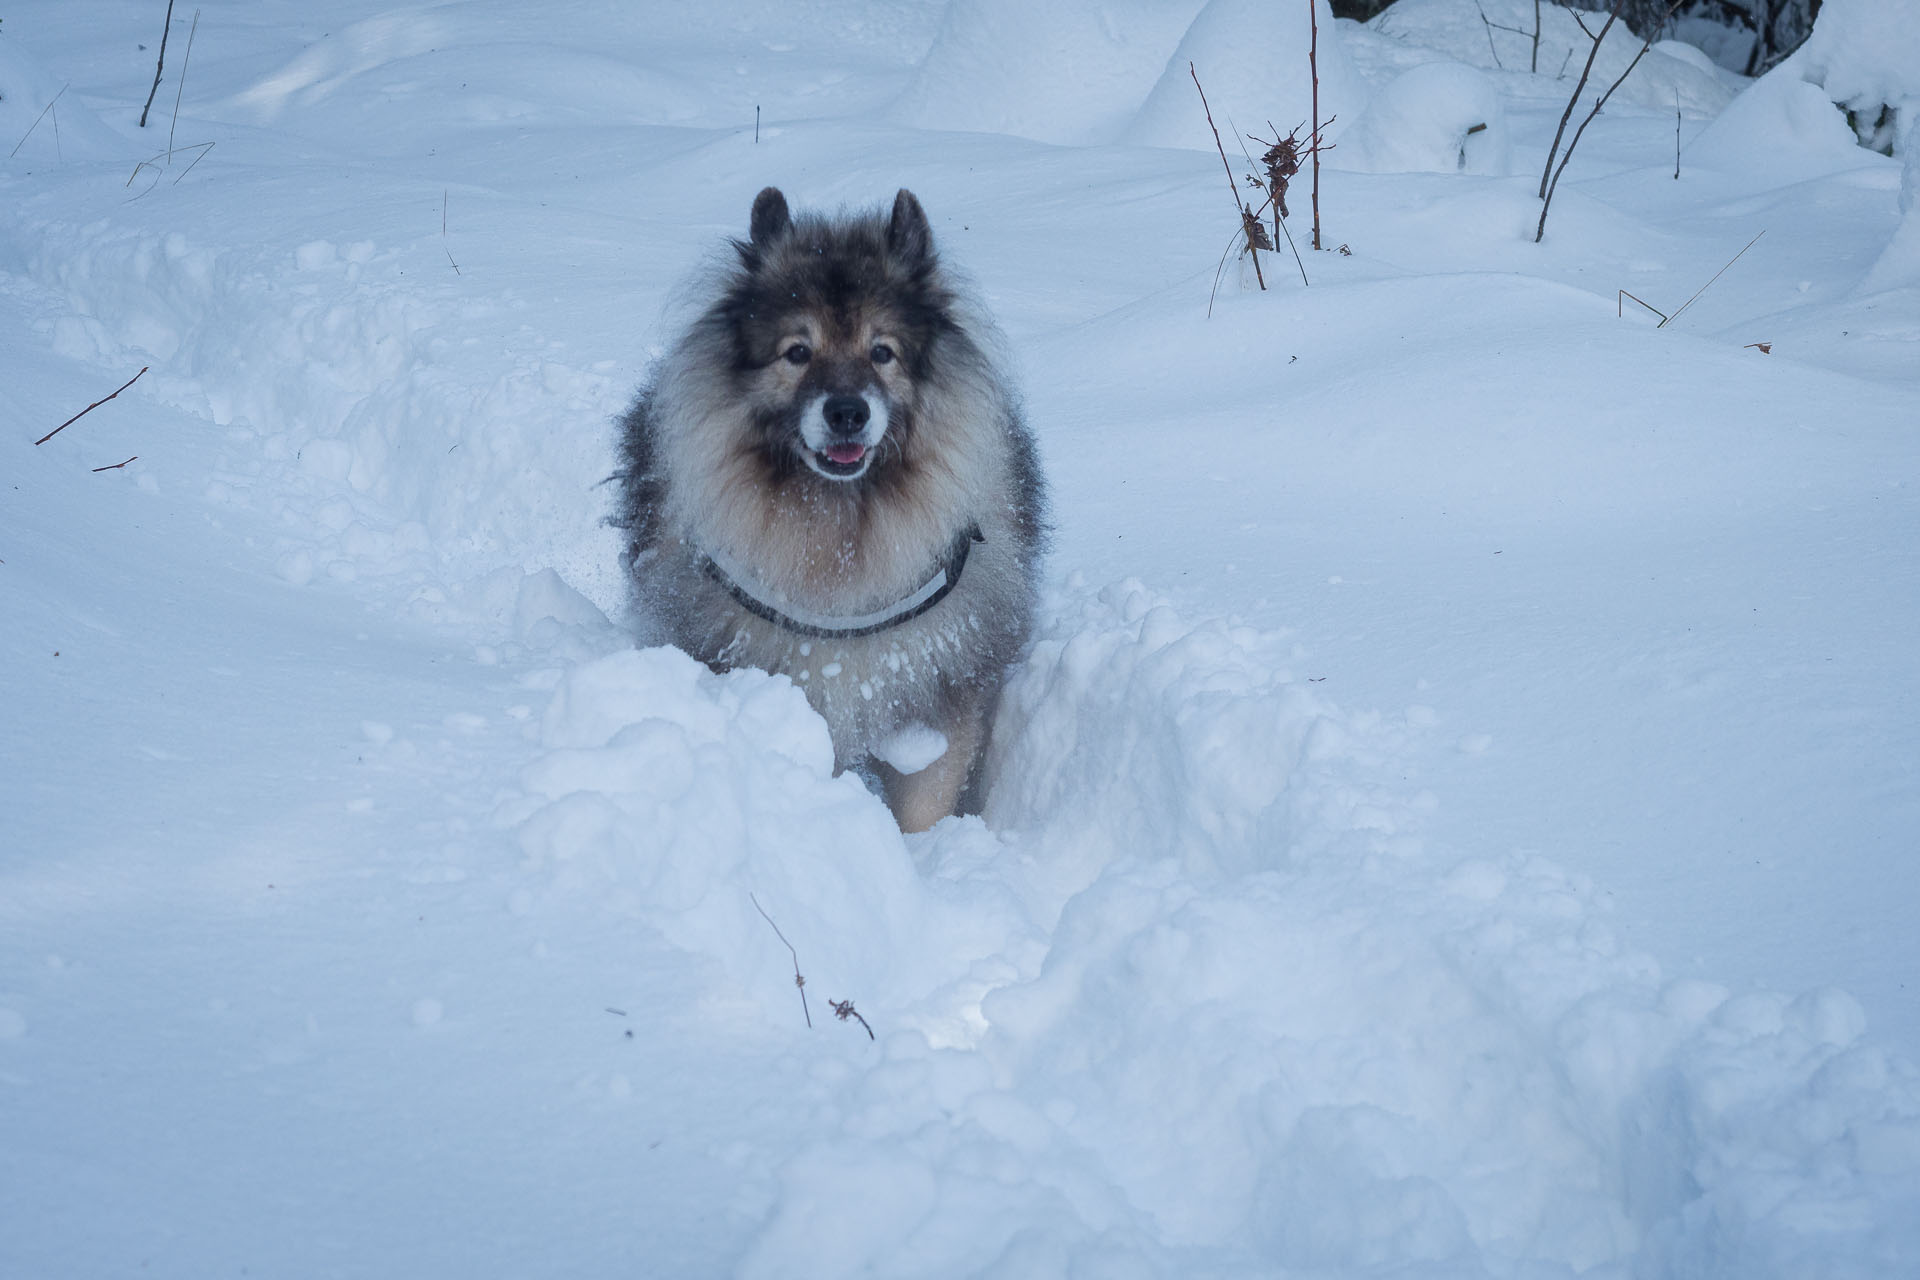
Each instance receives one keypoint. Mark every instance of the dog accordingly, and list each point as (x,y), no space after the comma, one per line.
(829,476)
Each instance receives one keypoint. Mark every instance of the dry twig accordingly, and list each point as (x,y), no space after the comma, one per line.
(1550,175)
(36,124)
(457,271)
(1249,221)
(159,65)
(798,981)
(89,409)
(843,1009)
(116,466)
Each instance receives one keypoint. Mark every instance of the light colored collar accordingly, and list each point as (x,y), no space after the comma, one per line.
(827,626)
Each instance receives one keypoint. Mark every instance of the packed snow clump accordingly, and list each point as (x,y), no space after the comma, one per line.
(1439,117)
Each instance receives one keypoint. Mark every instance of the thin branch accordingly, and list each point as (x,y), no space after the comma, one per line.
(1313,128)
(89,409)
(159,65)
(798,981)
(1232,186)
(1547,189)
(116,466)
(1620,307)
(443,238)
(35,125)
(181,88)
(1573,101)
(843,1009)
(1709,284)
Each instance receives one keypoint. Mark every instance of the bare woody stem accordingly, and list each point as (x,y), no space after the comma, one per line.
(1240,209)
(1313,65)
(90,408)
(159,65)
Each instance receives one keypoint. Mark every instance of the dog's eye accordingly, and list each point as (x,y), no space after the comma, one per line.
(798,353)
(882,353)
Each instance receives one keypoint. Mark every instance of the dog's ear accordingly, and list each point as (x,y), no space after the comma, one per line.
(909,236)
(770,217)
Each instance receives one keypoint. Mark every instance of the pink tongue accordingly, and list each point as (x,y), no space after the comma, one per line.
(845,454)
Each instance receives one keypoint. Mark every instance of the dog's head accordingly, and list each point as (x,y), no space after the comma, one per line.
(834,324)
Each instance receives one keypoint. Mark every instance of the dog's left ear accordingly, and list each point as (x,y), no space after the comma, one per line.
(909,236)
(770,217)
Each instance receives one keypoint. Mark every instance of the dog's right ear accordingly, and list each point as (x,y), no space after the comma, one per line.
(770,217)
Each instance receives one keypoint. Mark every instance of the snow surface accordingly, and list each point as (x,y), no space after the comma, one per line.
(1456,818)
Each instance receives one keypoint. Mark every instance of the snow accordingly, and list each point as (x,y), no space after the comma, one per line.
(1455,818)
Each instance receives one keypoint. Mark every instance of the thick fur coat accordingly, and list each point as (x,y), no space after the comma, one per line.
(830,439)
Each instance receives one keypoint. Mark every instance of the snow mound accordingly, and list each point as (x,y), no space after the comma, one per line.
(1782,127)
(382,439)
(672,794)
(1856,80)
(1866,55)
(1069,73)
(1439,117)
(42,123)
(1249,951)
(1454,28)
(1899,264)
(1252,59)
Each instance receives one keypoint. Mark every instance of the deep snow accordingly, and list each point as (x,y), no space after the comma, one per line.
(1456,819)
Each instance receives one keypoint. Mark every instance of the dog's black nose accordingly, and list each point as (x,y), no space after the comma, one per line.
(845,415)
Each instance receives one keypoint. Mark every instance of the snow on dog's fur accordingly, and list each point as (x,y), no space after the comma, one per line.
(828,476)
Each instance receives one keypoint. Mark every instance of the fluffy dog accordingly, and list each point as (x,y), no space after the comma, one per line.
(828,476)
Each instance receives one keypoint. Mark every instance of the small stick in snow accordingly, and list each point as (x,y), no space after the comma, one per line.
(181,88)
(159,65)
(843,1009)
(1676,135)
(36,124)
(756,124)
(1313,65)
(89,409)
(116,466)
(1620,306)
(443,233)
(1249,223)
(798,981)
(1709,284)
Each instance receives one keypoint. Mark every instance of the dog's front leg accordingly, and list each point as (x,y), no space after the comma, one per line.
(919,800)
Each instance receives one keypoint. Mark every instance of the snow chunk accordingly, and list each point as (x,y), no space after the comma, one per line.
(913,748)
(1439,117)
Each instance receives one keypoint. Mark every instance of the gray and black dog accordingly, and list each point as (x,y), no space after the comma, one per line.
(828,476)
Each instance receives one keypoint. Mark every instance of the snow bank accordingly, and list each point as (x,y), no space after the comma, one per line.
(363,417)
(1899,264)
(1252,59)
(1454,28)
(1856,80)
(1071,73)
(1200,920)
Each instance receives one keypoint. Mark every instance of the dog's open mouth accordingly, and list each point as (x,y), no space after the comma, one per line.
(842,459)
